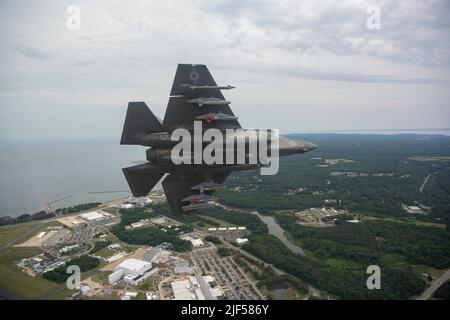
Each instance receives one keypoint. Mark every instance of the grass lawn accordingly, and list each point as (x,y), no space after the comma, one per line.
(18,283)
(105,252)
(342,264)
(149,284)
(101,277)
(410,220)
(111,210)
(140,296)
(221,222)
(10,233)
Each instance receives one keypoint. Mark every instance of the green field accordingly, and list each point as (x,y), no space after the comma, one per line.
(10,233)
(217,221)
(105,252)
(18,283)
(411,220)
(101,277)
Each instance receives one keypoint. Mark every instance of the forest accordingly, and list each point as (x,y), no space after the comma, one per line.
(60,275)
(367,242)
(387,175)
(391,177)
(150,236)
(347,281)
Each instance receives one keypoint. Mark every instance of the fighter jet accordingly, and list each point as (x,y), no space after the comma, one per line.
(188,186)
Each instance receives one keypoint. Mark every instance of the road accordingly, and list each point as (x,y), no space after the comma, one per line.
(434,286)
(425,181)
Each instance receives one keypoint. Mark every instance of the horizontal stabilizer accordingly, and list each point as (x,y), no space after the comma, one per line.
(142,178)
(139,122)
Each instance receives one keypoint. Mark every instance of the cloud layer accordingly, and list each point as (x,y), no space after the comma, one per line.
(297,65)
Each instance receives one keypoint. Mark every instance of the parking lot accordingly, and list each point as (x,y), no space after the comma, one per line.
(235,284)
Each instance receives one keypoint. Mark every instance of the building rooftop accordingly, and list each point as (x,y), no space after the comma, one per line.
(92,215)
(133,264)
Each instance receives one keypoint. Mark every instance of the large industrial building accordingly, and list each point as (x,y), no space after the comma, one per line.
(196,243)
(133,202)
(195,288)
(132,271)
(93,216)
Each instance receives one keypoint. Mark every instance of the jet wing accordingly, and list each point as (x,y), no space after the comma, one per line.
(195,93)
(180,190)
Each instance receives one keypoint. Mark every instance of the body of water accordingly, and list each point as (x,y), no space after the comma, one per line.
(277,231)
(35,172)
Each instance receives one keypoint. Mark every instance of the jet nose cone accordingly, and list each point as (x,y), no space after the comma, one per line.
(289,146)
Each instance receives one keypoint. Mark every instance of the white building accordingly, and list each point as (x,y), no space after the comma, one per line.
(114,246)
(132,294)
(68,248)
(132,202)
(127,206)
(190,289)
(195,242)
(116,257)
(134,266)
(115,276)
(133,271)
(41,234)
(241,240)
(159,221)
(151,296)
(135,280)
(92,216)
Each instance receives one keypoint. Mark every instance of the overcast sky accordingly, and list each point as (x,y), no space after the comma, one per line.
(297,65)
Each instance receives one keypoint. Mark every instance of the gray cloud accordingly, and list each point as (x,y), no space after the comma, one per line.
(311,59)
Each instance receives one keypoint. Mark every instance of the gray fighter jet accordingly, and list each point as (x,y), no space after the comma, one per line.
(188,186)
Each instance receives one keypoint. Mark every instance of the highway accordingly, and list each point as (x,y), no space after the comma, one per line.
(434,286)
